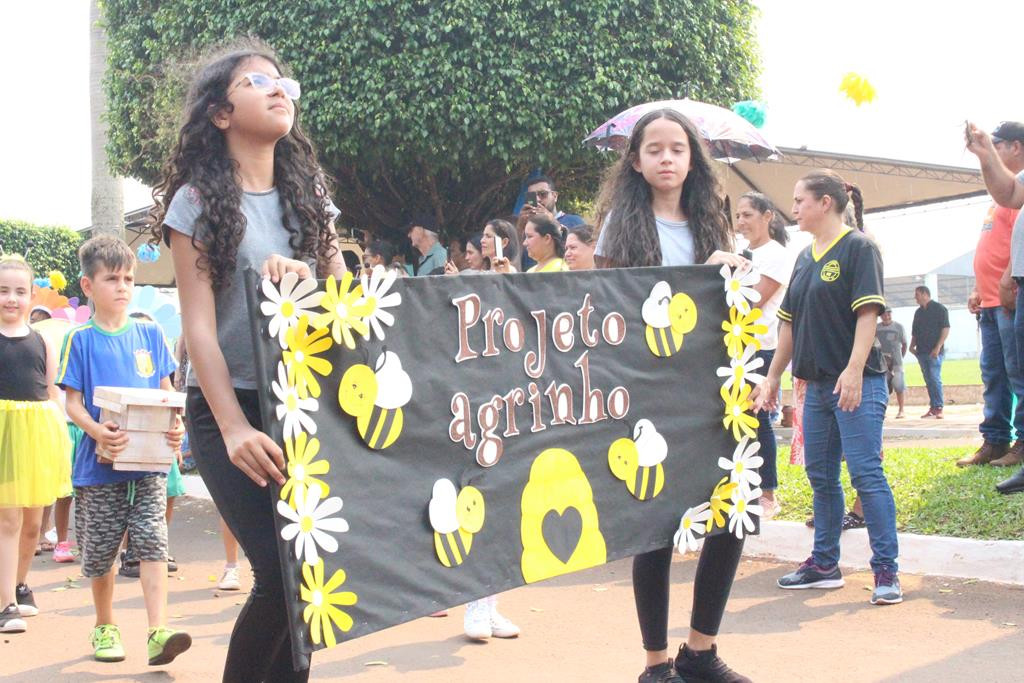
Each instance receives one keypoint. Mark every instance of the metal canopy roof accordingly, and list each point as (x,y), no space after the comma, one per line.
(886,183)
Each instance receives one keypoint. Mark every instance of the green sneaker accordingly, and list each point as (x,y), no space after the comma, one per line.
(106,643)
(165,644)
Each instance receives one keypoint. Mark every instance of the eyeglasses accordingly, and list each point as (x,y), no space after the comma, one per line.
(543,194)
(266,84)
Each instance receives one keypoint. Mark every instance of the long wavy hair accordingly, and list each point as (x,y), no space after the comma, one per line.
(200,159)
(628,217)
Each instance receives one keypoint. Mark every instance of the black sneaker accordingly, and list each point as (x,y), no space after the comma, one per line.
(810,575)
(129,568)
(11,621)
(26,601)
(660,673)
(172,566)
(705,667)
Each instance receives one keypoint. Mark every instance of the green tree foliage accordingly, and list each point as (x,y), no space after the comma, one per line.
(49,248)
(441,107)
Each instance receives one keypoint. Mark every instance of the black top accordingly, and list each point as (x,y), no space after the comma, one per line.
(821,303)
(929,321)
(23,368)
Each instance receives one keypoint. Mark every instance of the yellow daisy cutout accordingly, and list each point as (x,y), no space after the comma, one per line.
(302,469)
(737,403)
(301,360)
(344,310)
(321,611)
(740,329)
(720,503)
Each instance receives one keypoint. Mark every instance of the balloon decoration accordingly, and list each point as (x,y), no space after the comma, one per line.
(41,282)
(148,253)
(73,312)
(57,280)
(857,88)
(752,110)
(160,307)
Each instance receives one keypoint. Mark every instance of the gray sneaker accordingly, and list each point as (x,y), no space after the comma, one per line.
(810,575)
(887,588)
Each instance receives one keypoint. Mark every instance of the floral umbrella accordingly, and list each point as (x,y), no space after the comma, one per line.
(730,137)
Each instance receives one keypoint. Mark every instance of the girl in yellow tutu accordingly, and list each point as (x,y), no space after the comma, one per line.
(34,467)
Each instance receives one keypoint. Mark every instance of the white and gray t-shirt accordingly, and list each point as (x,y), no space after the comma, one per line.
(676,241)
(264,235)
(1017,241)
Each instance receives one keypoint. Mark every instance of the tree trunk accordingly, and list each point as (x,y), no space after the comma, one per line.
(107,195)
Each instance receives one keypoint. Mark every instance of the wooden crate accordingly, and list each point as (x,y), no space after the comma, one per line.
(145,414)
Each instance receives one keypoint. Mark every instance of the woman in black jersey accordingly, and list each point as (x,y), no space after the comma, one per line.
(827,325)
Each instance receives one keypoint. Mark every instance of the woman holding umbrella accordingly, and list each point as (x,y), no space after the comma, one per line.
(665,208)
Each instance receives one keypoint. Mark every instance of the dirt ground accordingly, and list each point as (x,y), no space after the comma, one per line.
(576,628)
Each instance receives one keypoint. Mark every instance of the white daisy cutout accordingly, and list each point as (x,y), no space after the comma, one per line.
(742,369)
(311,522)
(292,409)
(375,294)
(744,508)
(691,526)
(743,466)
(294,298)
(739,287)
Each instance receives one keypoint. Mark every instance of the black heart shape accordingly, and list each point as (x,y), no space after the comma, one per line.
(562,532)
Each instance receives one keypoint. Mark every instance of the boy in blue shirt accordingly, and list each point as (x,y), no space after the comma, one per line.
(113,349)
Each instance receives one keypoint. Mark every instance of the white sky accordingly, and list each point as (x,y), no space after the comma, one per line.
(933,63)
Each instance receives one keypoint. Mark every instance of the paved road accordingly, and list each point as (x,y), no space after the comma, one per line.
(576,628)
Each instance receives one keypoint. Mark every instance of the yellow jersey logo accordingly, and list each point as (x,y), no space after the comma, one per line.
(830,271)
(144,363)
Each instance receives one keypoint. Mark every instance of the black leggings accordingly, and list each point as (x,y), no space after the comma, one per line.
(260,649)
(716,570)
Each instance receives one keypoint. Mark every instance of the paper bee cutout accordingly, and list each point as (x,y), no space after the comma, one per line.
(637,461)
(375,398)
(455,518)
(668,317)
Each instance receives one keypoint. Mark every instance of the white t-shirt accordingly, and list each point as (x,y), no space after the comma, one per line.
(772,260)
(675,238)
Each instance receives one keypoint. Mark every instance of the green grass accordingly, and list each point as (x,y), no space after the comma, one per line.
(933,496)
(960,372)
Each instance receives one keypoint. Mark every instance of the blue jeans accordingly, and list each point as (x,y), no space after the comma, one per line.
(1018,322)
(766,436)
(829,434)
(931,368)
(1000,373)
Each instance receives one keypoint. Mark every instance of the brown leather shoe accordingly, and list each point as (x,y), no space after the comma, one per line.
(1014,456)
(987,453)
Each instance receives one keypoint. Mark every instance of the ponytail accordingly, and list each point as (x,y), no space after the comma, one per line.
(825,182)
(546,226)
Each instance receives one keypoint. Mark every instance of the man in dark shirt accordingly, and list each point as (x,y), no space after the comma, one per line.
(927,339)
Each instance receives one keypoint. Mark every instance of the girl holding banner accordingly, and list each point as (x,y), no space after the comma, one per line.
(664,207)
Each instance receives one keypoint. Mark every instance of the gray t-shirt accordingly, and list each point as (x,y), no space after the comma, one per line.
(1017,241)
(892,337)
(264,235)
(675,238)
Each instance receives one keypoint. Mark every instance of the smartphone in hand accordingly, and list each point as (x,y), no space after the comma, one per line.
(531,198)
(498,251)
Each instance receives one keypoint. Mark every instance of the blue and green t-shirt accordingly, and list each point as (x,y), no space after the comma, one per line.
(135,356)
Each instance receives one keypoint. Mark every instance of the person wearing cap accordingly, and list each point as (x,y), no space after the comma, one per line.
(893,339)
(422,232)
(1003,423)
(1007,190)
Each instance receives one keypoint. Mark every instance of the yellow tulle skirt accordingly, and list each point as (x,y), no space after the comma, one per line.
(35,468)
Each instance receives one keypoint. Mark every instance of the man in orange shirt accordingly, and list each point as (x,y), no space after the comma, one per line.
(999,365)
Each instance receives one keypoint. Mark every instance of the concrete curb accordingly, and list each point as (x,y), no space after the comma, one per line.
(998,561)
(968,558)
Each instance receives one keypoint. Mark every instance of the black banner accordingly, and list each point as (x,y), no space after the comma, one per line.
(450,438)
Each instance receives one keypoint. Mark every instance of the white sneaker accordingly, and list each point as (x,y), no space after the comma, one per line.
(477,622)
(229,580)
(502,627)
(51,536)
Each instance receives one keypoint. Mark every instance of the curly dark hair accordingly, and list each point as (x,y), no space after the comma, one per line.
(200,158)
(625,203)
